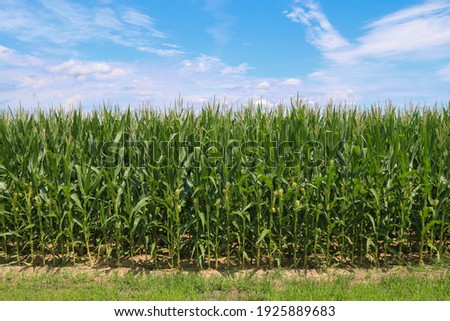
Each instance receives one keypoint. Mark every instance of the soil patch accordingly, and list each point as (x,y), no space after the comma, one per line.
(326,275)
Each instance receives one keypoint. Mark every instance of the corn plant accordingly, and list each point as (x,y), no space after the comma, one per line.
(290,186)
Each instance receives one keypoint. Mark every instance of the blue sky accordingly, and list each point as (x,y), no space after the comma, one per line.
(64,52)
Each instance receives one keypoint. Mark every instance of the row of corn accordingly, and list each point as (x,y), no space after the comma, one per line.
(289,186)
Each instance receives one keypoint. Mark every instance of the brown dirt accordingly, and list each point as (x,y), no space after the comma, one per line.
(357,275)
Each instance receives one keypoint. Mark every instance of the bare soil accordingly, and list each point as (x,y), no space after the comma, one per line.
(357,275)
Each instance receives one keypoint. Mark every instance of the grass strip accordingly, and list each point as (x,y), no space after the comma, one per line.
(288,285)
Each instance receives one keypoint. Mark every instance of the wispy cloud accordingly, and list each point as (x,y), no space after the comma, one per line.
(205,64)
(386,61)
(136,18)
(263,86)
(236,70)
(404,55)
(320,32)
(67,25)
(418,31)
(32,80)
(11,57)
(54,82)
(222,31)
(82,69)
(162,52)
(292,82)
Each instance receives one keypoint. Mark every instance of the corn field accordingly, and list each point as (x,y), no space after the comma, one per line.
(292,186)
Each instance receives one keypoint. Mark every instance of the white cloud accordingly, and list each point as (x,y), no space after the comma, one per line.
(263,85)
(162,52)
(202,64)
(263,102)
(380,63)
(317,74)
(236,70)
(36,83)
(199,80)
(222,31)
(417,33)
(136,18)
(13,58)
(205,63)
(107,18)
(291,82)
(394,58)
(171,45)
(60,26)
(319,30)
(77,69)
(427,9)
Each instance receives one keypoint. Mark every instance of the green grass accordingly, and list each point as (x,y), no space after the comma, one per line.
(432,285)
